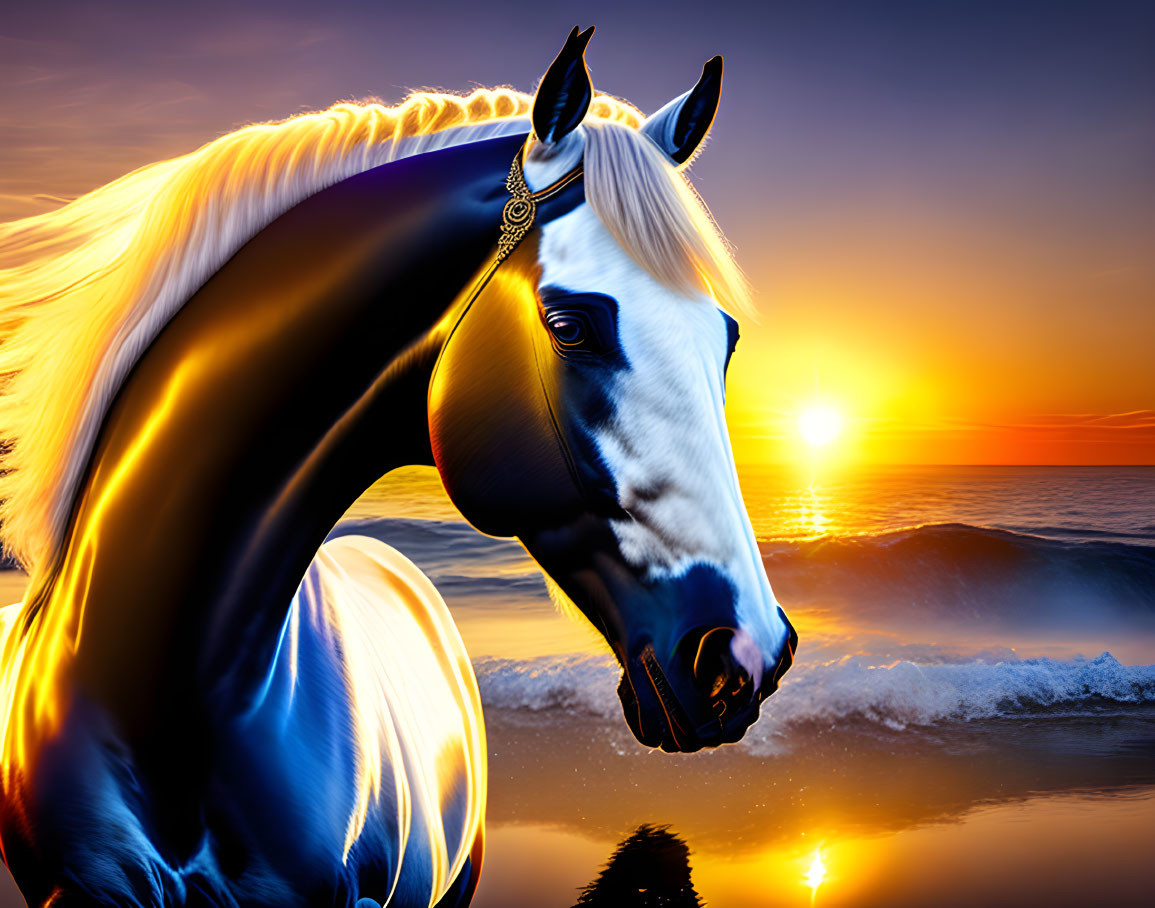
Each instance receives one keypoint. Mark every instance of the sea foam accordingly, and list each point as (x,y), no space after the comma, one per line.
(849,690)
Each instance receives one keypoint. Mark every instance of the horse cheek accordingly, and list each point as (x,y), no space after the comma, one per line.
(492,430)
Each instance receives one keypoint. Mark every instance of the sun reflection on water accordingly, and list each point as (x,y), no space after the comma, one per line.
(808,513)
(816,874)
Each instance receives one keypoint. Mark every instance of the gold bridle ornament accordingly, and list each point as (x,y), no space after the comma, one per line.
(518,215)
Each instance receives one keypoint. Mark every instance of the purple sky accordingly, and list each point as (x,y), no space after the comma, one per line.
(925,191)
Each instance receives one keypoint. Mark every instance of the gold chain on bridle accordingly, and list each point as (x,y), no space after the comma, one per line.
(518,215)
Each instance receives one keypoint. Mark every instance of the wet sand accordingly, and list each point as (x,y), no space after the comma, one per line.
(990,813)
(1059,851)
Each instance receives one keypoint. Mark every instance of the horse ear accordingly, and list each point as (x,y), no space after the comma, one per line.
(680,126)
(564,95)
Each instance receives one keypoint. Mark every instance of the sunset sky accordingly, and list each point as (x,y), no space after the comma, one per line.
(947,210)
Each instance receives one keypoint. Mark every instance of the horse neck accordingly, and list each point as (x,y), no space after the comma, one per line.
(290,382)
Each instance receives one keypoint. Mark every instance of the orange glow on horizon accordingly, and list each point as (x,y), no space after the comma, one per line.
(925,390)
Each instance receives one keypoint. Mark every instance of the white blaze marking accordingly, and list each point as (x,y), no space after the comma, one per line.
(666,445)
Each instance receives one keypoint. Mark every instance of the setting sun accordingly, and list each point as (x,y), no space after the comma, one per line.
(819,426)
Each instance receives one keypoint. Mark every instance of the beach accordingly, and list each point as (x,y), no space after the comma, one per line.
(970,719)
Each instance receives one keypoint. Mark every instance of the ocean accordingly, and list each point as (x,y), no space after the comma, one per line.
(970,718)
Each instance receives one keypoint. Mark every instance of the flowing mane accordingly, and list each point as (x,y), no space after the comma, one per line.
(86,288)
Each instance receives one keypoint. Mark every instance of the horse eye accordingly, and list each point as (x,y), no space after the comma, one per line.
(568,330)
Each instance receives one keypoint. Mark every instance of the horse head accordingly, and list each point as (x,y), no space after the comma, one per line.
(578,405)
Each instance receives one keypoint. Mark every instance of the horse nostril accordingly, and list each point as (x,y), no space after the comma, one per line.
(717,674)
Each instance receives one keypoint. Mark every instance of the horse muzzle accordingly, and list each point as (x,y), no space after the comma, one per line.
(703,696)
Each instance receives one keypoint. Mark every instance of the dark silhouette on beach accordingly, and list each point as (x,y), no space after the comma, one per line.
(650,868)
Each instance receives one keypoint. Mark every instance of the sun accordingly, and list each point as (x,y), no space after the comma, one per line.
(819,426)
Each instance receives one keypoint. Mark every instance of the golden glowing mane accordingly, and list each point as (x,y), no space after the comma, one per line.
(86,288)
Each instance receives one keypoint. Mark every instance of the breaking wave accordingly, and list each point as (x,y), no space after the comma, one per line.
(895,696)
(966,573)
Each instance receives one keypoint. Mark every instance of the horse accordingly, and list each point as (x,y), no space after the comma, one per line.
(207,361)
